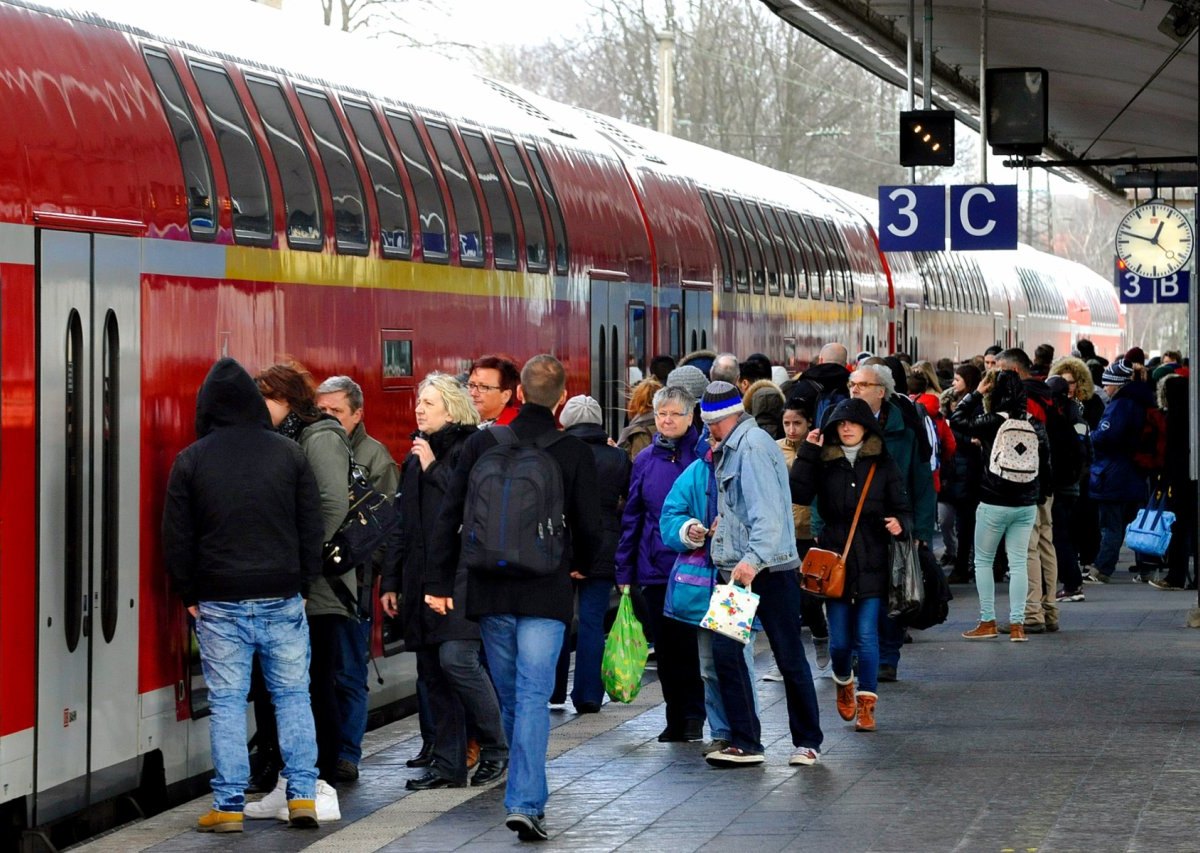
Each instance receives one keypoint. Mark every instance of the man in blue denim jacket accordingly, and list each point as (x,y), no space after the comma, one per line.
(753,545)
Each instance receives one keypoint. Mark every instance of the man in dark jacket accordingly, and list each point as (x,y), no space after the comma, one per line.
(242,534)
(831,374)
(581,418)
(522,619)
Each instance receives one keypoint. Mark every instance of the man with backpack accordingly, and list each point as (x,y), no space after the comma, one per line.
(830,375)
(524,497)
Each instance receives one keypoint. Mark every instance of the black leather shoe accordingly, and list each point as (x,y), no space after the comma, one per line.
(430,782)
(587,707)
(263,781)
(693,731)
(489,771)
(422,758)
(886,673)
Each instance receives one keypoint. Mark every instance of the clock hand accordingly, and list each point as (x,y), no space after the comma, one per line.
(1153,239)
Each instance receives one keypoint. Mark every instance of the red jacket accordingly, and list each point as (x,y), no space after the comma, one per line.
(945,435)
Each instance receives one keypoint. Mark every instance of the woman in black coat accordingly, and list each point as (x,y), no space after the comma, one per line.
(832,466)
(448,647)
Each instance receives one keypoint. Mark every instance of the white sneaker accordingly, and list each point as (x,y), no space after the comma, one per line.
(269,806)
(773,674)
(327,804)
(804,756)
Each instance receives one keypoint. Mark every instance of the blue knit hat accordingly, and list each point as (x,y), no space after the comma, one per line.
(1117,373)
(719,402)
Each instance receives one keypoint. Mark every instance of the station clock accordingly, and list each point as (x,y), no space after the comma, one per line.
(1155,240)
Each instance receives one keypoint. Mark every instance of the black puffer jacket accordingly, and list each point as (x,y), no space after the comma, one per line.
(419,499)
(242,517)
(826,474)
(612,485)
(1007,400)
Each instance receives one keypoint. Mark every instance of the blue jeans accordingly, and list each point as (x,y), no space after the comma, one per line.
(1114,515)
(1013,525)
(714,706)
(351,685)
(854,630)
(779,612)
(593,594)
(522,652)
(230,633)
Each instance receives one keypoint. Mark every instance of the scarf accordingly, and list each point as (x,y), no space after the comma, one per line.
(291,426)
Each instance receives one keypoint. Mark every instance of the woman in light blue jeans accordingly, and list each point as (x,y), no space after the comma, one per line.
(1014,483)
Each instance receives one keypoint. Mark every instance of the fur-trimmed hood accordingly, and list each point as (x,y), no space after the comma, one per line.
(1085,388)
(872,446)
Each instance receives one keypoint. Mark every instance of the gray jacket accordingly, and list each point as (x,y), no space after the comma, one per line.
(754,504)
(325,445)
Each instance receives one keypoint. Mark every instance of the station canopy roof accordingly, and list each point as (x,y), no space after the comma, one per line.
(1098,53)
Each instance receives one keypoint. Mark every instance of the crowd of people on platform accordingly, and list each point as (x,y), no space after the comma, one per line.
(730,459)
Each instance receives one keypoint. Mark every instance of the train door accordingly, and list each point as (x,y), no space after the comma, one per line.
(1021,326)
(88,504)
(1001,329)
(909,340)
(697,319)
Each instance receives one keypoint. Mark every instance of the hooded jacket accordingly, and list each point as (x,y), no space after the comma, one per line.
(612,485)
(242,517)
(327,448)
(1114,476)
(641,556)
(832,378)
(764,401)
(826,474)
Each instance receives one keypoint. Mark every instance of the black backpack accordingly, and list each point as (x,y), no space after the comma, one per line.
(513,519)
(371,519)
(936,605)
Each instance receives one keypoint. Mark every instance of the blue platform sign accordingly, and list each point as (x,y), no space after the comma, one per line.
(912,219)
(983,216)
(1132,289)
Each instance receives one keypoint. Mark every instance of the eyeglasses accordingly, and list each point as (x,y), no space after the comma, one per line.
(669,415)
(475,387)
(853,385)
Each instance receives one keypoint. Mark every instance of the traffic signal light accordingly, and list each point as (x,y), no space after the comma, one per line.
(927,138)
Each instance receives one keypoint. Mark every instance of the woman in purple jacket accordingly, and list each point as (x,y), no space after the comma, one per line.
(644,560)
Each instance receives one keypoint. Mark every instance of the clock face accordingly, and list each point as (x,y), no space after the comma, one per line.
(1155,240)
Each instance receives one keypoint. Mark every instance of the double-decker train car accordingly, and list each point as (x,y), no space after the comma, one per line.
(178,184)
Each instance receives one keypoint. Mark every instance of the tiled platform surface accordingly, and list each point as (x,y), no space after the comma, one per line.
(1084,740)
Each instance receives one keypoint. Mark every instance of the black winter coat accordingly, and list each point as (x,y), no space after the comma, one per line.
(242,517)
(548,597)
(612,486)
(993,490)
(825,473)
(419,499)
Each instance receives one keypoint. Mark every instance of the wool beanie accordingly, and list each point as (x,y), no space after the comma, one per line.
(719,402)
(690,379)
(1117,373)
(779,374)
(580,410)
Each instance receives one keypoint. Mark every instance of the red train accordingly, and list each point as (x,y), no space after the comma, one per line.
(175,187)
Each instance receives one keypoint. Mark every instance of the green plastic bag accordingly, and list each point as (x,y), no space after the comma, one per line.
(625,654)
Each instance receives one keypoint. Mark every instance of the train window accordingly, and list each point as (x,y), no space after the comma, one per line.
(110,494)
(807,272)
(300,197)
(741,276)
(675,332)
(73,482)
(556,217)
(758,274)
(249,197)
(721,239)
(838,262)
(824,268)
(389,194)
(431,209)
(636,336)
(504,229)
(531,216)
(397,358)
(466,208)
(770,250)
(197,174)
(788,253)
(349,213)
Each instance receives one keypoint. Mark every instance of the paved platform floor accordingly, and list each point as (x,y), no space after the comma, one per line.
(1084,740)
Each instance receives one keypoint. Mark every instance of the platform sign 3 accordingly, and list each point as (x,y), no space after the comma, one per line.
(1133,289)
(915,219)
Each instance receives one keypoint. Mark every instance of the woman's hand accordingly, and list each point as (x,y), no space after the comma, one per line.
(390,603)
(815,437)
(424,453)
(440,605)
(892,525)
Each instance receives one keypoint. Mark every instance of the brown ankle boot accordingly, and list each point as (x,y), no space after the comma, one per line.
(1016,633)
(982,631)
(865,722)
(845,697)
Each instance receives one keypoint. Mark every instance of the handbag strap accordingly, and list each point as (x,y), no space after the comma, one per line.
(858,511)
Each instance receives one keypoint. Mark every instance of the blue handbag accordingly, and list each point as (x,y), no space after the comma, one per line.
(1150,532)
(689,587)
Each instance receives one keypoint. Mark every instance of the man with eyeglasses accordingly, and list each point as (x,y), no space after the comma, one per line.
(874,384)
(492,383)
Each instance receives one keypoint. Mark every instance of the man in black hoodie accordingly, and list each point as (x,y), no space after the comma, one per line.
(831,373)
(522,617)
(242,534)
